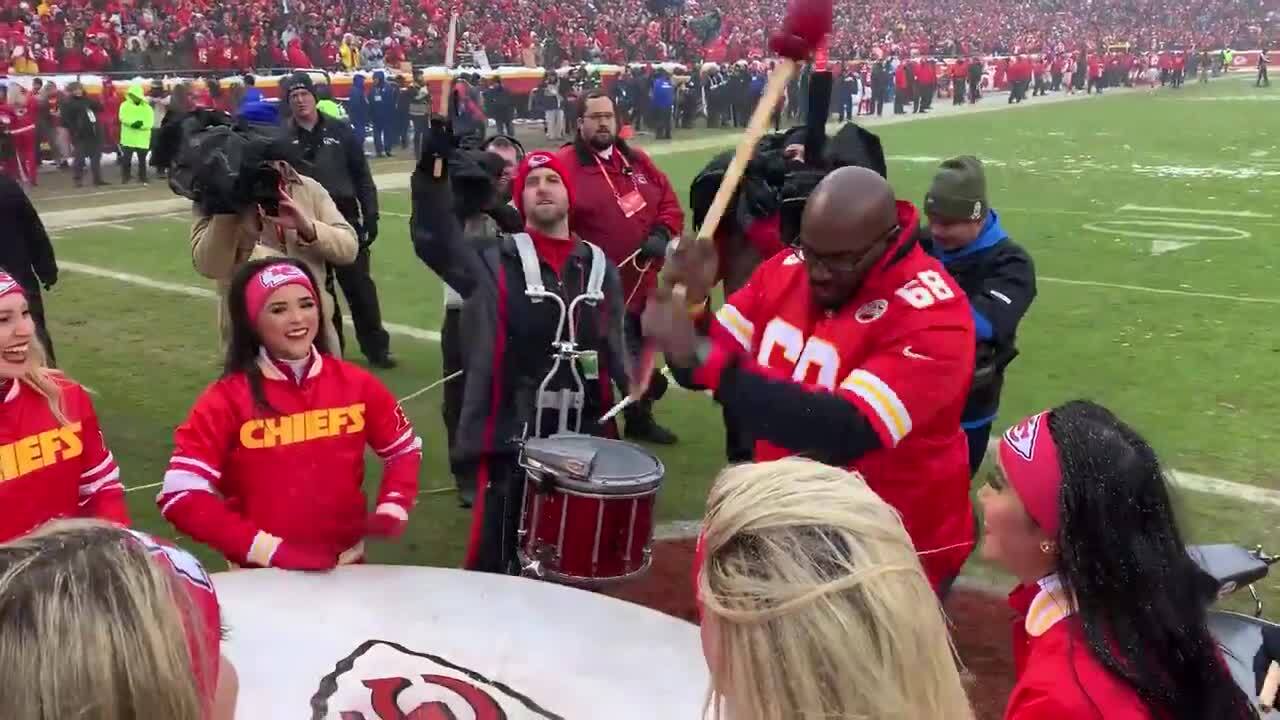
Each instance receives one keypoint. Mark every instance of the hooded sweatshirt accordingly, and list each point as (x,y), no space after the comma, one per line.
(357,103)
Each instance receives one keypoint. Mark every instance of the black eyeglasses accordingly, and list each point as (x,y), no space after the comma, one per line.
(848,262)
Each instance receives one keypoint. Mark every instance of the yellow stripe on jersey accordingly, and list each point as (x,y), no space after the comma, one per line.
(738,326)
(883,401)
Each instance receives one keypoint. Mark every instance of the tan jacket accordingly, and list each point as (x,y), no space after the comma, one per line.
(222,243)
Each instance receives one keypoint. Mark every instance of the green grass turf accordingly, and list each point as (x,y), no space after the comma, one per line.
(1196,374)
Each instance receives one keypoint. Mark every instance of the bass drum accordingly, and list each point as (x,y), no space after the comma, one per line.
(1241,638)
(373,642)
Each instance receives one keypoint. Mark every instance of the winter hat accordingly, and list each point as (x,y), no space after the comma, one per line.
(303,81)
(534,161)
(267,280)
(959,190)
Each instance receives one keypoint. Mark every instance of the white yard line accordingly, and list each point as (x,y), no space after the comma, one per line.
(1163,291)
(1193,211)
(199,292)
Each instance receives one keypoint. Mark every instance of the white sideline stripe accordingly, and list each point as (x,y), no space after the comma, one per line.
(1163,291)
(394,214)
(199,292)
(1248,494)
(1194,211)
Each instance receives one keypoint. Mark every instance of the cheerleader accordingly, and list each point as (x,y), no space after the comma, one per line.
(268,468)
(54,462)
(101,623)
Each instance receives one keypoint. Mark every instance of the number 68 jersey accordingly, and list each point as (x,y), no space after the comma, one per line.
(877,385)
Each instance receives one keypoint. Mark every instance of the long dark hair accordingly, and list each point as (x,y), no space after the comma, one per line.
(244,344)
(1139,597)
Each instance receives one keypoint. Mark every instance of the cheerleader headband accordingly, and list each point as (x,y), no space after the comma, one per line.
(1030,462)
(269,279)
(9,286)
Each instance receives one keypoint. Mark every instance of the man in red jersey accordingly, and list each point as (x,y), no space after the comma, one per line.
(856,350)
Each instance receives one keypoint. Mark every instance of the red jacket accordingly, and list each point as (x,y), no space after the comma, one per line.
(900,77)
(597,218)
(959,70)
(243,478)
(49,469)
(900,353)
(1057,675)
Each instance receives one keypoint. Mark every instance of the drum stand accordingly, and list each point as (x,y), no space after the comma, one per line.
(562,401)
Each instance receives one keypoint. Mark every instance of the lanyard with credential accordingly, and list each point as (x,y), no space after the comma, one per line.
(631,203)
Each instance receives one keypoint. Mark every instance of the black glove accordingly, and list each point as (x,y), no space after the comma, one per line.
(437,149)
(655,246)
(507,217)
(370,230)
(49,282)
(136,125)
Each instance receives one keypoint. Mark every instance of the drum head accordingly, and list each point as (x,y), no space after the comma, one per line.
(371,641)
(620,468)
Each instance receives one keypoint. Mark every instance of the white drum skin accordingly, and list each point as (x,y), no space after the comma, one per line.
(471,642)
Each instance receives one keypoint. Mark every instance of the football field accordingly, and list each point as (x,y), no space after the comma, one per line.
(1151,218)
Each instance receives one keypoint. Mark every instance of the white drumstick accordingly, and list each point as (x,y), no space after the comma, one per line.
(619,407)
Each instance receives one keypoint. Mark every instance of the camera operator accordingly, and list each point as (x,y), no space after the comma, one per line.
(285,214)
(336,159)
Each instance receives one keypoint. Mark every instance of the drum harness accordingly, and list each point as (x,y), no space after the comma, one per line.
(562,350)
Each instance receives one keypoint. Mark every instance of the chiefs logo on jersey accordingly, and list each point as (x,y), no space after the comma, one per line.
(383,680)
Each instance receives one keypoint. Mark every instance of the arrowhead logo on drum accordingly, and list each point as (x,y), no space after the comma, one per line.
(383,680)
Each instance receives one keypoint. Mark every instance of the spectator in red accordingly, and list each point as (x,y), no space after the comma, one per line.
(96,59)
(72,59)
(110,115)
(625,205)
(297,57)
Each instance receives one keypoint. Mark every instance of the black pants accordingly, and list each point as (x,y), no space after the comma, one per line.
(507,127)
(451,408)
(877,103)
(900,101)
(926,98)
(362,297)
(361,293)
(94,155)
(957,91)
(975,90)
(662,123)
(35,303)
(641,412)
(978,438)
(420,129)
(497,509)
(1262,80)
(126,158)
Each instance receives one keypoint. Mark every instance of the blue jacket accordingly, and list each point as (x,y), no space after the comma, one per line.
(999,280)
(357,103)
(664,93)
(382,100)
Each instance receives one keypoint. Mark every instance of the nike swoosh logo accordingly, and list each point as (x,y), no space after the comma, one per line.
(906,351)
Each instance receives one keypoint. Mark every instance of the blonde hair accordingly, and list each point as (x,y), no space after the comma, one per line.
(821,607)
(44,380)
(92,628)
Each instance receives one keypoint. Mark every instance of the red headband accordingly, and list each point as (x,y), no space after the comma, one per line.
(534,161)
(9,286)
(1030,463)
(268,280)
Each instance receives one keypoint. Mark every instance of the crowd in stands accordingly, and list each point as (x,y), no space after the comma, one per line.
(71,36)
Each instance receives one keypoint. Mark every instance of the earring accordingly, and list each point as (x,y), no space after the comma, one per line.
(1047,547)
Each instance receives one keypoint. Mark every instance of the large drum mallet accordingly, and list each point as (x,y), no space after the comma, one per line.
(803,29)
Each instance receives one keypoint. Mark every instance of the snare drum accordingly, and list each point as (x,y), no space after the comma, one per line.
(588,513)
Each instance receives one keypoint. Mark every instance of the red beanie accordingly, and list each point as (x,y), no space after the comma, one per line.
(269,279)
(533,161)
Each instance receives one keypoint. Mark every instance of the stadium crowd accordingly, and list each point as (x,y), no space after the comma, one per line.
(107,35)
